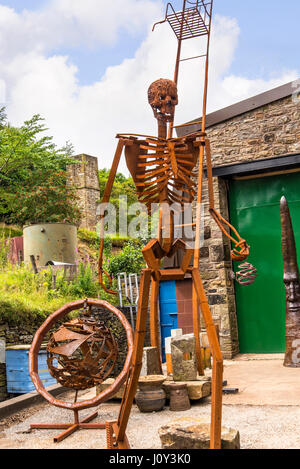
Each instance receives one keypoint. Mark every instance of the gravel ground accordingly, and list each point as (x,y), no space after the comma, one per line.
(260,427)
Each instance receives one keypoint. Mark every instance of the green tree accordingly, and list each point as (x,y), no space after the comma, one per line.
(122,186)
(24,151)
(46,198)
(130,260)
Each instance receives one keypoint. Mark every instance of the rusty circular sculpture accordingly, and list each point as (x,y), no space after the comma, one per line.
(247,274)
(47,326)
(82,353)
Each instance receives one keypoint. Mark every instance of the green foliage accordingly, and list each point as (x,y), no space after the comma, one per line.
(26,297)
(46,198)
(130,260)
(122,187)
(89,237)
(4,250)
(85,284)
(23,152)
(10,231)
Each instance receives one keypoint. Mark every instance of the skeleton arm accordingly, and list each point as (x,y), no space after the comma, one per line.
(132,150)
(241,249)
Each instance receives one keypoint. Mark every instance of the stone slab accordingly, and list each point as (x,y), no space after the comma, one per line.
(183,369)
(196,389)
(150,364)
(108,383)
(194,433)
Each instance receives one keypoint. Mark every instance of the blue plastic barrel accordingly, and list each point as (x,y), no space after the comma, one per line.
(168,311)
(17,372)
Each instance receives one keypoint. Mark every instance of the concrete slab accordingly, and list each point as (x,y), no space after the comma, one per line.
(262,380)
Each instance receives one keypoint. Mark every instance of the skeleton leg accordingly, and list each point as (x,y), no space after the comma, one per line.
(217,378)
(154,318)
(121,425)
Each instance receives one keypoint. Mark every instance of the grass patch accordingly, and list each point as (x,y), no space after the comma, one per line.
(13,231)
(28,298)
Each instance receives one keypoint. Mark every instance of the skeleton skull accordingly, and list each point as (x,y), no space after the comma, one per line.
(163,97)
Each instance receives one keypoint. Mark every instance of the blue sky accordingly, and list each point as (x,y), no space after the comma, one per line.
(86,65)
(269,38)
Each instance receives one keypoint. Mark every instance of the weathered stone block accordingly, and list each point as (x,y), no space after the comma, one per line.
(204,252)
(216,299)
(103,386)
(194,433)
(184,369)
(198,389)
(204,340)
(150,364)
(207,232)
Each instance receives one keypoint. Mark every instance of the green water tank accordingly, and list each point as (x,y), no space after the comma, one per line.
(50,242)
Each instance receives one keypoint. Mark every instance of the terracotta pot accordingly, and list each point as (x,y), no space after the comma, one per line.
(150,396)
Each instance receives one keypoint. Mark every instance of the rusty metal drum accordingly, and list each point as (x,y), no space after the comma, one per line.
(150,396)
(179,398)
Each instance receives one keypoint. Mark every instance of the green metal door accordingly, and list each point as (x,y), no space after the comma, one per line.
(255,212)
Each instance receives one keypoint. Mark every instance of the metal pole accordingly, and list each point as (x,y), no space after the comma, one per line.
(176,74)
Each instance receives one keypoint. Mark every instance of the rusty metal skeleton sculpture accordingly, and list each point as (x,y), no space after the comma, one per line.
(162,169)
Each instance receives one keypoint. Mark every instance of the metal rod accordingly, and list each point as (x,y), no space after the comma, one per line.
(176,73)
(191,58)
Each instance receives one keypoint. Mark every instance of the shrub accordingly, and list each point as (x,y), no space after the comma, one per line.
(4,251)
(46,198)
(89,237)
(26,297)
(130,260)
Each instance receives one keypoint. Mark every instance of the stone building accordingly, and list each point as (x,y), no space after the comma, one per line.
(256,159)
(84,175)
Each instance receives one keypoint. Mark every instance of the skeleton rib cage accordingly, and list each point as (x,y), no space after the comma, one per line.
(162,169)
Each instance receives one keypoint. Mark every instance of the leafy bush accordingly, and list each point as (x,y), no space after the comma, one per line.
(4,250)
(89,237)
(10,231)
(130,260)
(25,297)
(24,152)
(46,198)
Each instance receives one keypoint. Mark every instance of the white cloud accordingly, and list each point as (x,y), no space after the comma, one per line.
(70,23)
(90,116)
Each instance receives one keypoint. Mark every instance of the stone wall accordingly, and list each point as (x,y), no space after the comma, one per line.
(270,131)
(84,175)
(13,335)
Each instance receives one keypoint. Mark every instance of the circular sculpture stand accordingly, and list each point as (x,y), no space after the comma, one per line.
(81,354)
